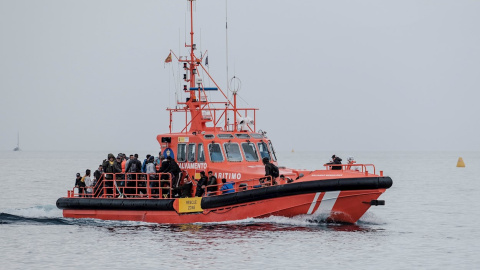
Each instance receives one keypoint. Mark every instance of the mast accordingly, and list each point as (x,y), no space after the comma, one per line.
(197,105)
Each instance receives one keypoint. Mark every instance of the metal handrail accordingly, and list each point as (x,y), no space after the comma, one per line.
(344,167)
(129,185)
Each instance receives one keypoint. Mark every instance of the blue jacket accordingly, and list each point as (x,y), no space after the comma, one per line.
(227,188)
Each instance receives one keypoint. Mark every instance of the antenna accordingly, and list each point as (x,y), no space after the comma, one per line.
(226,44)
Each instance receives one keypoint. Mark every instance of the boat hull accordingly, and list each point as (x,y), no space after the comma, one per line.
(321,199)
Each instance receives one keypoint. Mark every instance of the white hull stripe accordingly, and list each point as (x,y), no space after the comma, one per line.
(312,206)
(327,203)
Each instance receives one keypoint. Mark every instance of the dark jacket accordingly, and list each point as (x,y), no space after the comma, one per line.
(133,168)
(111,168)
(336,160)
(165,165)
(174,169)
(79,183)
(271,170)
(186,190)
(97,174)
(212,180)
(202,182)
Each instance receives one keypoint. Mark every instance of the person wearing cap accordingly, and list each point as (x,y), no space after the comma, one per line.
(80,184)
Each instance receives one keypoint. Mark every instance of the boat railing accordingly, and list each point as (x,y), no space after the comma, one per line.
(128,185)
(363,168)
(218,116)
(156,185)
(242,185)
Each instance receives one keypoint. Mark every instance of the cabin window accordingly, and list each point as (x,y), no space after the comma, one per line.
(250,151)
(233,152)
(209,136)
(262,147)
(225,136)
(270,147)
(191,153)
(200,153)
(256,136)
(242,136)
(215,152)
(181,152)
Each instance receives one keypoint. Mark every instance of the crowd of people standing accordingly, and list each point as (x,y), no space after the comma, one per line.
(127,176)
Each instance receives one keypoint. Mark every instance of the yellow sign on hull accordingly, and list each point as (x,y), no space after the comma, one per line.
(190,205)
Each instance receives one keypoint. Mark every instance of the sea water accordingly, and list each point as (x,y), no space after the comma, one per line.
(430,221)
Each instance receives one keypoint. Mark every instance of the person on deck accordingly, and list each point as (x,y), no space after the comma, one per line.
(158,161)
(227,187)
(175,171)
(133,168)
(88,183)
(186,188)
(97,174)
(144,164)
(270,170)
(124,162)
(336,160)
(201,184)
(80,184)
(285,180)
(212,184)
(110,167)
(165,164)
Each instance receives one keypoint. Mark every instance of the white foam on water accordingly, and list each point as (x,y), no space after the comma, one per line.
(40,211)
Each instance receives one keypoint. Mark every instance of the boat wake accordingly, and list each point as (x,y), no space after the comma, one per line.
(37,215)
(51,215)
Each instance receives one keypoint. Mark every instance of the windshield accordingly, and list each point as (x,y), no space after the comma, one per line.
(215,152)
(233,152)
(191,153)
(181,152)
(270,147)
(250,151)
(200,153)
(262,147)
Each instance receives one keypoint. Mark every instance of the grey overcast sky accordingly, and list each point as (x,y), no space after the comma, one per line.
(326,75)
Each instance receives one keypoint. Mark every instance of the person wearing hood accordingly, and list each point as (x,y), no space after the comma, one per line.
(111,167)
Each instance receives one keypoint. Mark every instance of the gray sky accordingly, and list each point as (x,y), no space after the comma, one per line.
(326,75)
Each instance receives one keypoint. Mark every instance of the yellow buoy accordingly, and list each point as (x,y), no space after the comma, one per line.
(460,162)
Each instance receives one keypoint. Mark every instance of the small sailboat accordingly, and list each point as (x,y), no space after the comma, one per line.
(17,148)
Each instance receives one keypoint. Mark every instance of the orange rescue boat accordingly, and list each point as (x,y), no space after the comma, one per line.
(233,151)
